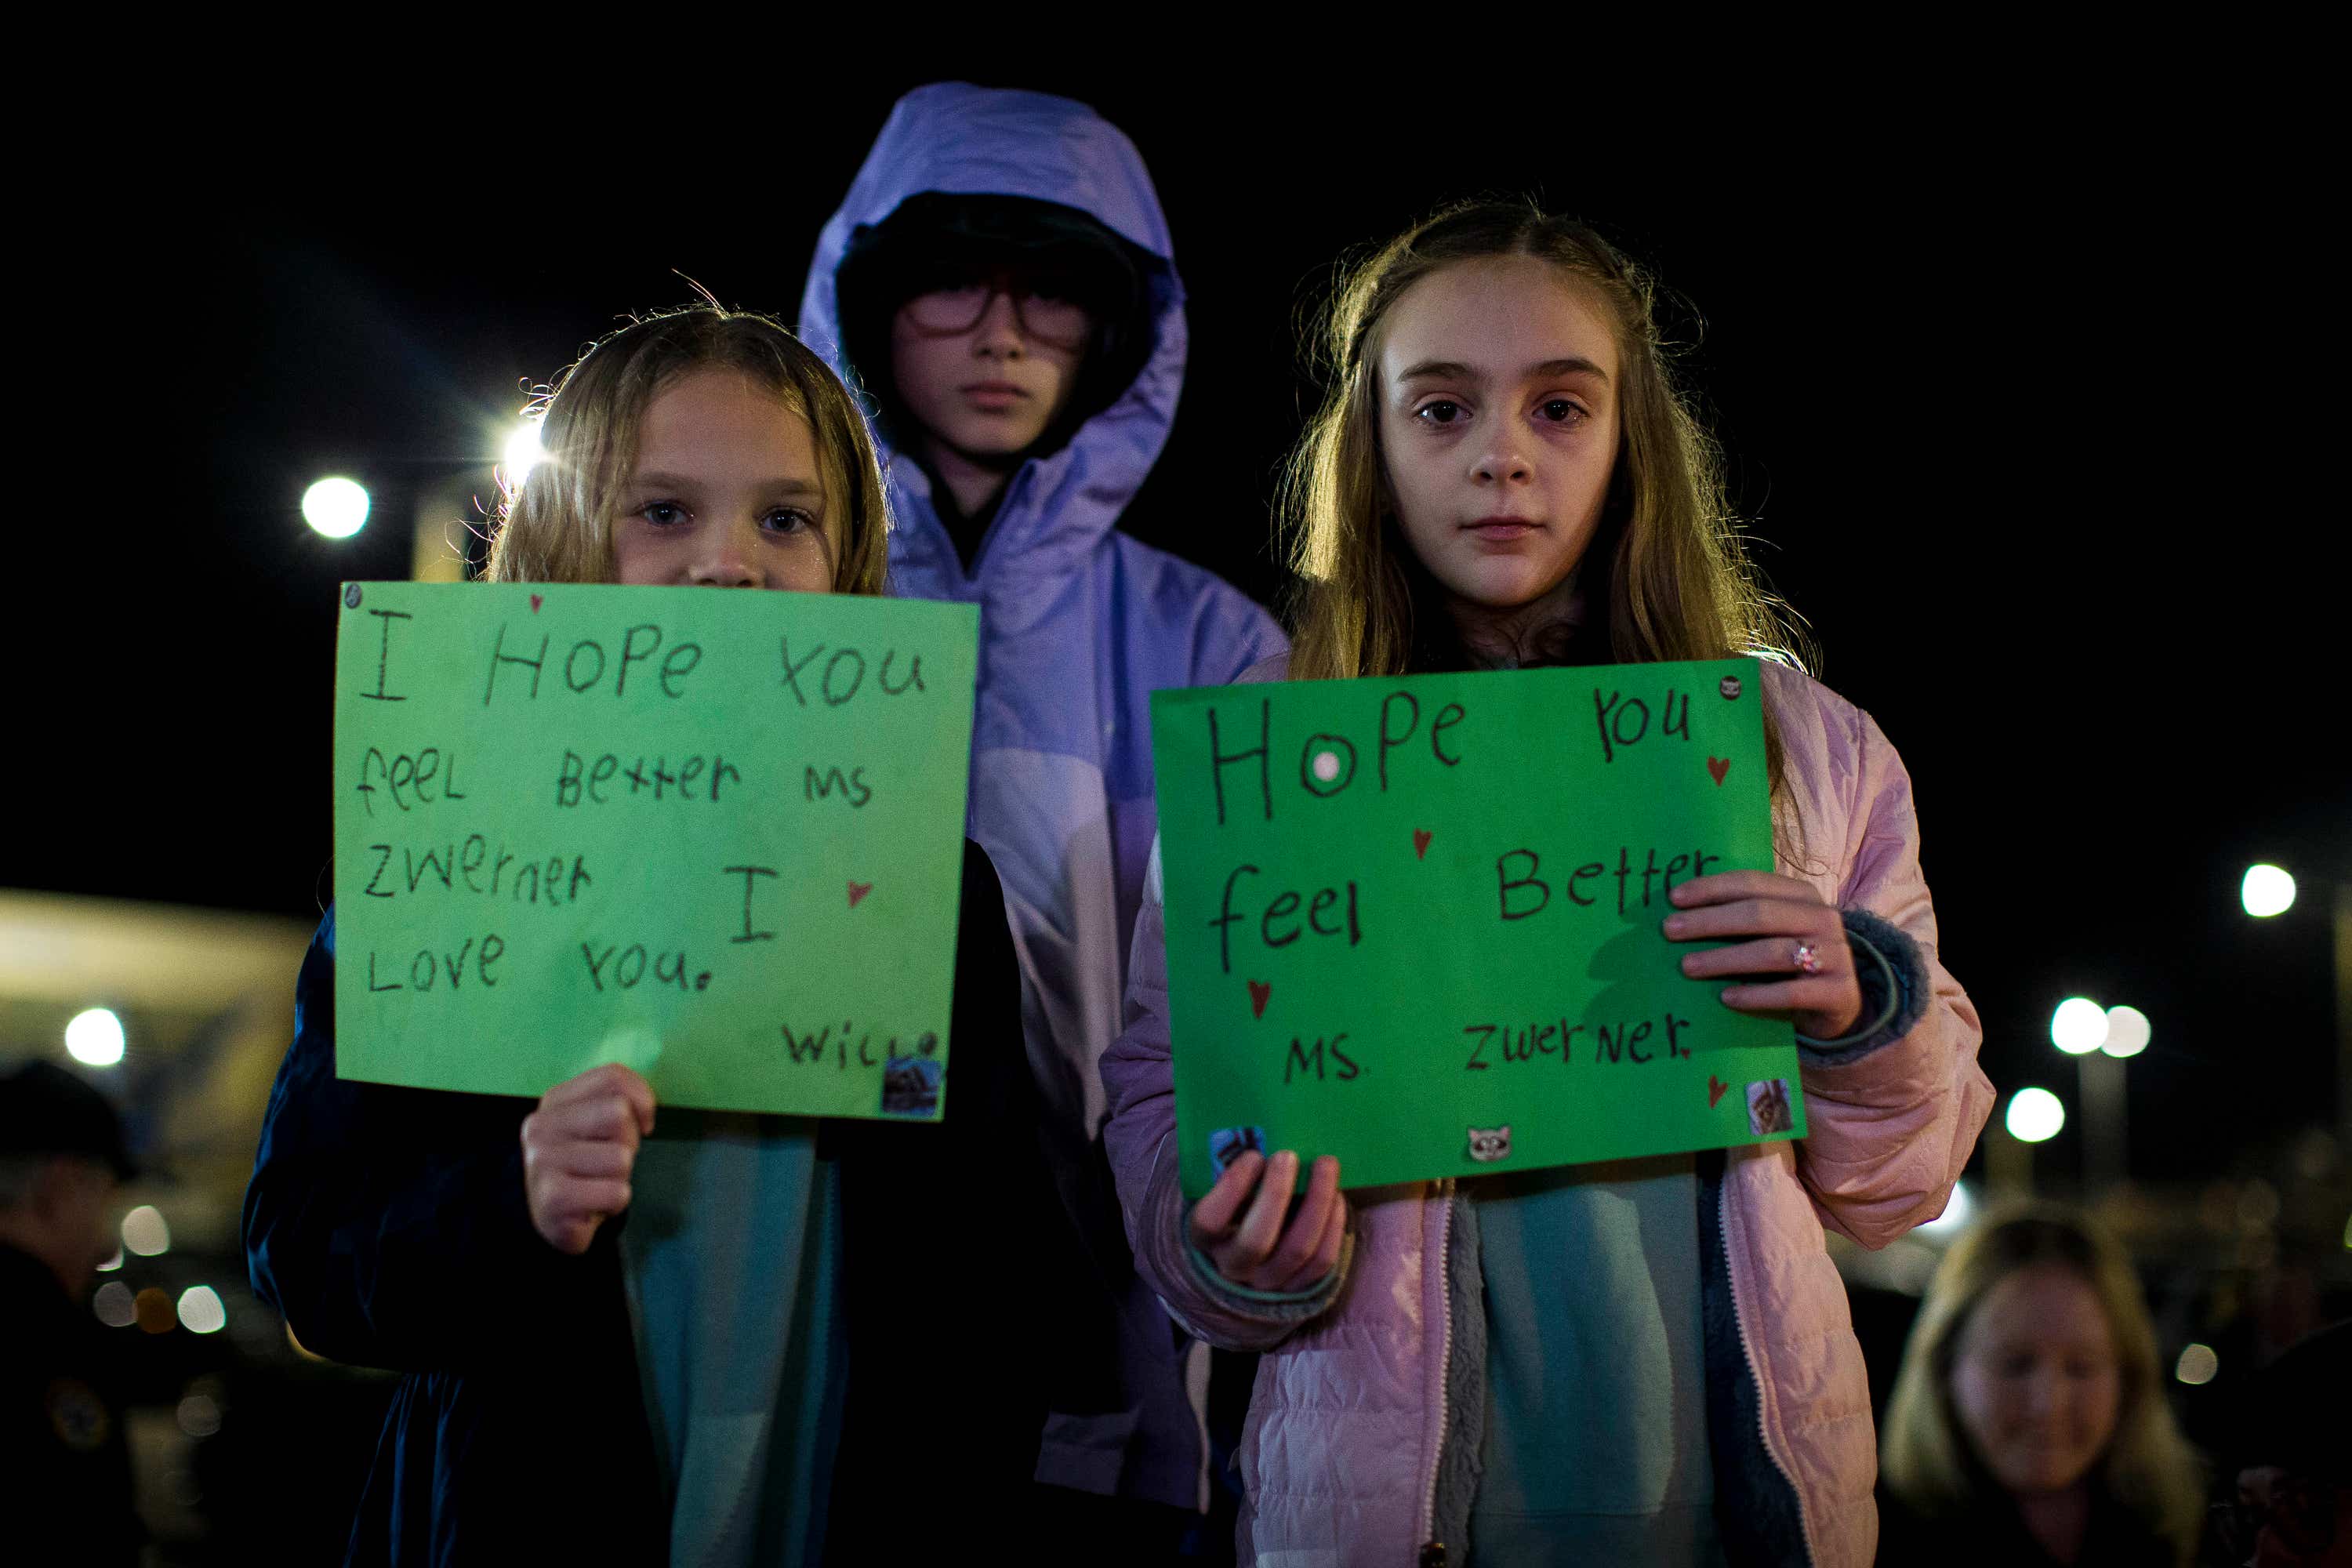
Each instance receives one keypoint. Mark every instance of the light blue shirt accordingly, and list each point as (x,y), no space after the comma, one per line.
(1595,1447)
(730,1253)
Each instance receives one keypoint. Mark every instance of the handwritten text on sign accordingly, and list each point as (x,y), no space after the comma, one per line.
(1415,923)
(718,836)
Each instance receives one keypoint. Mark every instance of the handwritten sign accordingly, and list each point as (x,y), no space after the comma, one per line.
(716,836)
(1415,923)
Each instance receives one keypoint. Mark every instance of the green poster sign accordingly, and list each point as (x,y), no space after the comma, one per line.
(716,836)
(1415,923)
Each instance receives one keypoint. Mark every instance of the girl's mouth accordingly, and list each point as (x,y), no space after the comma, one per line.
(994,395)
(1496,529)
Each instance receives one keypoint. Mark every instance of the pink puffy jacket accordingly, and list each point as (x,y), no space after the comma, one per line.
(1340,1455)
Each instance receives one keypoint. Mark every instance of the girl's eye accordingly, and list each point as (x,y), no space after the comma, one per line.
(1443,411)
(663,513)
(788,520)
(1560,411)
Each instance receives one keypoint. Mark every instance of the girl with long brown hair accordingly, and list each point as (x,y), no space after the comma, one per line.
(1645,1361)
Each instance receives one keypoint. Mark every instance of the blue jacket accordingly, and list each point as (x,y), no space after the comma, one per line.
(1079,624)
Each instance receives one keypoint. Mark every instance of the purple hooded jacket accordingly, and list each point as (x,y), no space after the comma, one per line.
(1079,624)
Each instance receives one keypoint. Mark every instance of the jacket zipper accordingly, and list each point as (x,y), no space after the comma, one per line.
(1444,1354)
(1739,1321)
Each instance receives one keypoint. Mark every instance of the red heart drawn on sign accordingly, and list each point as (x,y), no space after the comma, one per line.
(1419,843)
(1718,766)
(534,603)
(858,890)
(1715,1088)
(1259,992)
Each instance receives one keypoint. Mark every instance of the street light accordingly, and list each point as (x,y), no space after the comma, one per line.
(2266,891)
(2099,1039)
(2035,1115)
(337,508)
(94,1038)
(2079,1026)
(2128,1032)
(522,454)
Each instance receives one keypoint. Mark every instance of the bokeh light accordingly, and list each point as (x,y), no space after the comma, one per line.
(201,1310)
(2035,1115)
(337,508)
(144,1232)
(2128,1032)
(2266,891)
(521,454)
(153,1310)
(2079,1026)
(94,1038)
(114,1305)
(1955,1218)
(2196,1366)
(199,1415)
(113,1263)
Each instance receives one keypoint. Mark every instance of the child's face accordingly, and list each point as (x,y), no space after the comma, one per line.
(983,373)
(1499,425)
(2035,1381)
(726,492)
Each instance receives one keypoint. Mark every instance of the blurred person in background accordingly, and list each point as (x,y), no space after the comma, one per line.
(2288,1486)
(62,1451)
(2028,1425)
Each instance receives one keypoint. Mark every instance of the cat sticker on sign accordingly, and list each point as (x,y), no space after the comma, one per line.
(1488,1145)
(1768,1107)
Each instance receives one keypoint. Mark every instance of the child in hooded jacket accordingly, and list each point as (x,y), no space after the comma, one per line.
(1642,1361)
(1000,284)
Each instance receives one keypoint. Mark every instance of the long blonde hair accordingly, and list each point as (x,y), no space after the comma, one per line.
(556,527)
(1679,586)
(1926,1461)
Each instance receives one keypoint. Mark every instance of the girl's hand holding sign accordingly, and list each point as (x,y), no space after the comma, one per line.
(578,1149)
(1792,932)
(1239,1224)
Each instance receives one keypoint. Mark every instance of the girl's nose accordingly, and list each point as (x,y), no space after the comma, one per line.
(732,559)
(1503,466)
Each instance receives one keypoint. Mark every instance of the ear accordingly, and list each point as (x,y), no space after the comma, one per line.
(1504,1130)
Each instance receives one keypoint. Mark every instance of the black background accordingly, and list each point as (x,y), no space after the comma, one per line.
(2023,394)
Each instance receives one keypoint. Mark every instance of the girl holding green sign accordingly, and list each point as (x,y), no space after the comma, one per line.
(1648,1361)
(694,1337)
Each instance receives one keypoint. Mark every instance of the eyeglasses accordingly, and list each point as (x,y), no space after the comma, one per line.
(2302,1516)
(1039,309)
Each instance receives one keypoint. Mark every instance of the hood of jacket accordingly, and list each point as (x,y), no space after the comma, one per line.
(960,139)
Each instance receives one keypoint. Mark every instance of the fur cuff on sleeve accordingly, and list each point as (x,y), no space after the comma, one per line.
(1894,978)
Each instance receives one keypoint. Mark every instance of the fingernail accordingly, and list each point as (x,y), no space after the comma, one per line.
(1675,924)
(1687,962)
(1678,895)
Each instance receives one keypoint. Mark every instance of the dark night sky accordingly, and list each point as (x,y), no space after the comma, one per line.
(2015,405)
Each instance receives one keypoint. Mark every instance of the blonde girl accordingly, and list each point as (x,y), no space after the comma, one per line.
(627,1341)
(1649,1361)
